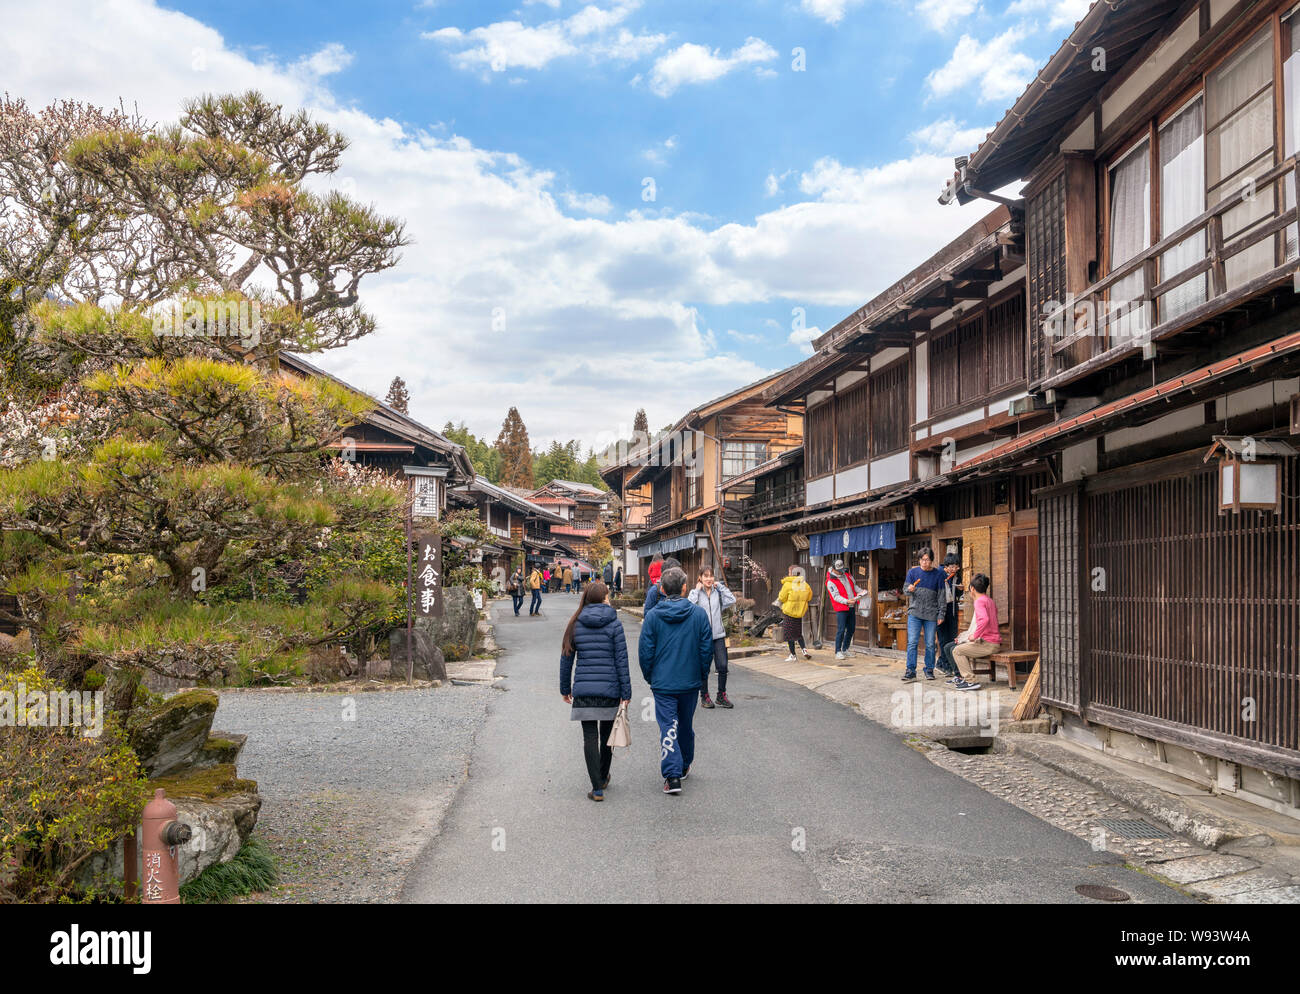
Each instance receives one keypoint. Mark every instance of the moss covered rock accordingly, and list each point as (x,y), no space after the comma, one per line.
(216,781)
(168,736)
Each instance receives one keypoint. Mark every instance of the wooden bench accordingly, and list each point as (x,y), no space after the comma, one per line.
(1009,660)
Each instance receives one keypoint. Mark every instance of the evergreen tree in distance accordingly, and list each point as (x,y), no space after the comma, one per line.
(516,454)
(641,423)
(398,396)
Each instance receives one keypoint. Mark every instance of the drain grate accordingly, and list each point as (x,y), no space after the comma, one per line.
(1100,892)
(1132,828)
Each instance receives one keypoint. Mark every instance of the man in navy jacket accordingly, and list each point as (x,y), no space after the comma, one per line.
(675,651)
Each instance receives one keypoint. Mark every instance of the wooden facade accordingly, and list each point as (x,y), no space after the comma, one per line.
(1162,252)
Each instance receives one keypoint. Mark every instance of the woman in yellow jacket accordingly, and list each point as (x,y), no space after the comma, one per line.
(794,598)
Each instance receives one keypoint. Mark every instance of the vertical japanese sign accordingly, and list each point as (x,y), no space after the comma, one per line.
(428,575)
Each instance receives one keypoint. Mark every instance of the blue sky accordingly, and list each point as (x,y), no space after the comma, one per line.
(519,141)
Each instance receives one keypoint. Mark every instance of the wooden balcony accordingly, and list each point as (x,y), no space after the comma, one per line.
(1118,329)
(659,516)
(785,497)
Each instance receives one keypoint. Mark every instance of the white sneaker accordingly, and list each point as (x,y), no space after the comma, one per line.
(807,654)
(839,655)
(790,658)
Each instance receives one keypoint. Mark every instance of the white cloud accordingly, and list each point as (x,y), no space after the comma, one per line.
(940,13)
(691,63)
(659,154)
(1000,71)
(746,338)
(587,203)
(947,137)
(327,61)
(802,339)
(595,308)
(830,11)
(1061,13)
(506,45)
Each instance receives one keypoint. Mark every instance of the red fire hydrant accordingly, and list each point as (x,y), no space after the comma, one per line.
(160,835)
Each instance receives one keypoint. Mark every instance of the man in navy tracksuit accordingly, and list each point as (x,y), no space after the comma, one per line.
(675,651)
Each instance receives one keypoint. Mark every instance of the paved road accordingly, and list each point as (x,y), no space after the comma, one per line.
(879,822)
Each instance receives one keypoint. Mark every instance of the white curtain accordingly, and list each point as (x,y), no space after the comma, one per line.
(1182,199)
(1130,233)
(1239,127)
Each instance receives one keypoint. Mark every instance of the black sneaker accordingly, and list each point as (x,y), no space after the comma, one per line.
(929,674)
(672,786)
(909,678)
(706,701)
(686,773)
(724,701)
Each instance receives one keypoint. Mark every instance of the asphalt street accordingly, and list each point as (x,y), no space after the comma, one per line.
(792,798)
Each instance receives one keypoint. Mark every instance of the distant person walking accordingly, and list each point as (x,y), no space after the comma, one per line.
(618,580)
(674,651)
(925,585)
(654,593)
(535,585)
(844,596)
(594,640)
(713,596)
(607,575)
(982,639)
(568,579)
(515,588)
(794,598)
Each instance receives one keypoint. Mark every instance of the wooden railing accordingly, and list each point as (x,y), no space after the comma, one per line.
(659,516)
(779,498)
(1093,314)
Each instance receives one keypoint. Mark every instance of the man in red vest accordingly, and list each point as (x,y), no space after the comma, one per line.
(844,597)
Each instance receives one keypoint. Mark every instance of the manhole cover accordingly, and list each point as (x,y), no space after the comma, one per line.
(1132,828)
(1100,892)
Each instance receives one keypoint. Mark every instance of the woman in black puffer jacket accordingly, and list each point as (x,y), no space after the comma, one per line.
(595,640)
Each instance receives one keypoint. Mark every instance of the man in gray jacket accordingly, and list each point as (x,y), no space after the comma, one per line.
(713,596)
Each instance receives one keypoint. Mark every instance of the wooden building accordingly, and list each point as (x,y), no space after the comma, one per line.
(768,500)
(1162,256)
(508,517)
(634,507)
(685,468)
(925,377)
(398,444)
(580,508)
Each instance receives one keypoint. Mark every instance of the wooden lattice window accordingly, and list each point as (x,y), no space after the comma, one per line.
(889,410)
(1045,235)
(1006,343)
(852,431)
(820,440)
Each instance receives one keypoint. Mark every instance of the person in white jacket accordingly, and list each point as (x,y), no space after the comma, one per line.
(713,598)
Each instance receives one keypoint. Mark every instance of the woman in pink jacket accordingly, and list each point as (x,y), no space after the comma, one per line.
(979,641)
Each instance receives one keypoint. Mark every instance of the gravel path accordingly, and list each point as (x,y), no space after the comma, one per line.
(352,785)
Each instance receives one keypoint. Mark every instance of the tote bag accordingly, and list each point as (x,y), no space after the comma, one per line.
(621,734)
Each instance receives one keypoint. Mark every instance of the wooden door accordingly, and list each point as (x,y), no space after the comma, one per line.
(1024,592)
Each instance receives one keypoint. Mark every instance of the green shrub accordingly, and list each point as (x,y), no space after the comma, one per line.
(252,869)
(63,797)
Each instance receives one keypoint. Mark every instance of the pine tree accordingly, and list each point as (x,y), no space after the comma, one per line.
(398,396)
(641,424)
(185,471)
(516,454)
